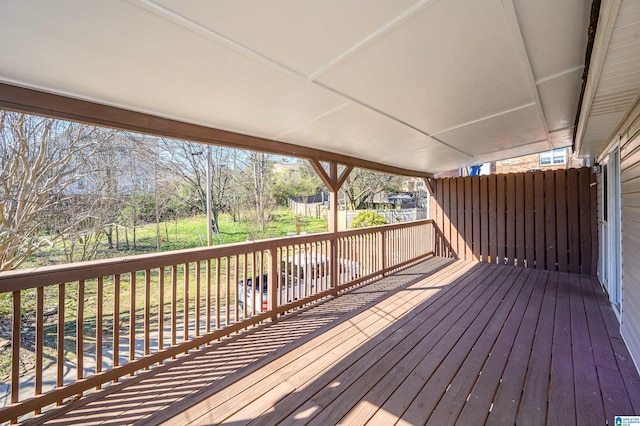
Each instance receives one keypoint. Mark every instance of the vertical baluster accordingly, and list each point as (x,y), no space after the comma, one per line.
(227,291)
(217,284)
(16,325)
(316,275)
(197,301)
(185,334)
(259,260)
(245,288)
(147,313)
(39,340)
(208,297)
(99,315)
(161,310)
(60,338)
(254,283)
(235,286)
(345,263)
(306,274)
(80,333)
(288,282)
(116,322)
(174,304)
(132,319)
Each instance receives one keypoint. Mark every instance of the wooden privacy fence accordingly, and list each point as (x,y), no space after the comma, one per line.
(543,219)
(91,323)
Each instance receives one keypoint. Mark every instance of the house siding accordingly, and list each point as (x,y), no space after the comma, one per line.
(630,202)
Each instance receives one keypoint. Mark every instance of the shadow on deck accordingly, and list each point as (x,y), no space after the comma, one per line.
(441,342)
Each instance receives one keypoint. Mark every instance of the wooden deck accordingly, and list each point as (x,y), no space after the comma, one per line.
(443,342)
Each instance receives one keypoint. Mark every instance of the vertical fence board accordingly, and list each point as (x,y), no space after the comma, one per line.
(462,250)
(538,187)
(446,222)
(594,224)
(493,220)
(440,217)
(585,221)
(574,221)
(475,216)
(511,218)
(501,218)
(561,221)
(529,221)
(520,245)
(542,219)
(453,215)
(484,218)
(468,219)
(550,220)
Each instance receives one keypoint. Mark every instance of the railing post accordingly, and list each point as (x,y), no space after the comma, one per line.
(272,281)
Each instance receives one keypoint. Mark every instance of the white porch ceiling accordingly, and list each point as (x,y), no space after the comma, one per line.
(421,85)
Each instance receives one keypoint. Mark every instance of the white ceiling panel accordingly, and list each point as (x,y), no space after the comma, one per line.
(558,93)
(502,132)
(562,138)
(555,42)
(451,63)
(358,131)
(154,66)
(513,152)
(301,35)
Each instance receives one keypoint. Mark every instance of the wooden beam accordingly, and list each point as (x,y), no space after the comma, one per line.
(322,173)
(429,183)
(56,106)
(343,176)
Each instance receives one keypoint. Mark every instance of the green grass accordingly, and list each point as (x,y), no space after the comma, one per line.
(190,233)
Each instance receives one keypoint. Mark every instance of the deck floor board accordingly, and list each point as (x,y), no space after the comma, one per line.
(441,342)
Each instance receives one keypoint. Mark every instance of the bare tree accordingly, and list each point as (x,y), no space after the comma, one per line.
(188,161)
(362,184)
(39,159)
(256,182)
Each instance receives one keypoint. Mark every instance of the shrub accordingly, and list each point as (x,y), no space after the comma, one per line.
(365,219)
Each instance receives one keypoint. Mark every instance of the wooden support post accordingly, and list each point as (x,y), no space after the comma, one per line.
(333,181)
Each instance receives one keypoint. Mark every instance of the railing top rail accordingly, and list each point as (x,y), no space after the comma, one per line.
(55,274)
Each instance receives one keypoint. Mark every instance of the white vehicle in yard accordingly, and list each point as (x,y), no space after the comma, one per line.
(301,275)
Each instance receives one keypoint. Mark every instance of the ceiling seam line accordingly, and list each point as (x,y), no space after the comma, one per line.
(378,33)
(515,147)
(313,120)
(489,117)
(389,116)
(216,37)
(513,27)
(560,74)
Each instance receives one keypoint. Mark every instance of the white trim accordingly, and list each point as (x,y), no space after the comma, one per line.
(606,22)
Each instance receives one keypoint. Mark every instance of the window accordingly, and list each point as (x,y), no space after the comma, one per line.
(557,156)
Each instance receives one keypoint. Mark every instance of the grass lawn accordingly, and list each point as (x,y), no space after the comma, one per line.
(189,233)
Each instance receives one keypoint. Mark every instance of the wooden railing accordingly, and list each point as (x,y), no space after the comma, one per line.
(81,326)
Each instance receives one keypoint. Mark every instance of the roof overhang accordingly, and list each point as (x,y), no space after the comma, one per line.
(612,87)
(417,86)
